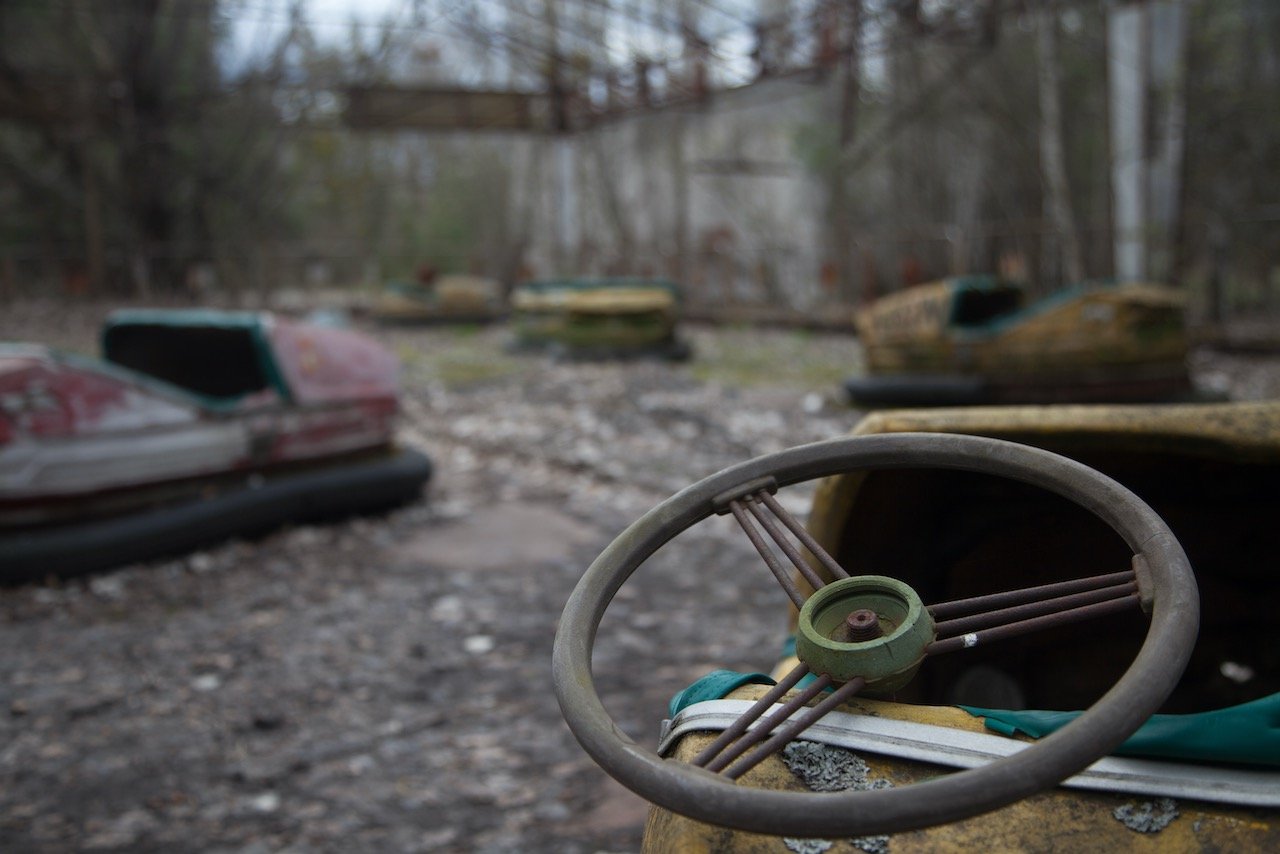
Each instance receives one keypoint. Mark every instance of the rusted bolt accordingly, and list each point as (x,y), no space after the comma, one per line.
(863,625)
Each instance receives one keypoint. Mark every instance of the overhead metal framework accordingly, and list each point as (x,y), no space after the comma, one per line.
(418,108)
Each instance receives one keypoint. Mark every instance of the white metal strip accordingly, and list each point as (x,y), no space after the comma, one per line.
(961,749)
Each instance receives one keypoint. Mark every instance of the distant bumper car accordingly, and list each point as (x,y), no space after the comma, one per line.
(973,340)
(445,299)
(1119,560)
(195,426)
(599,318)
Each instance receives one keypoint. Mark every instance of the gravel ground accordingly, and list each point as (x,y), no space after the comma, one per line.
(383,683)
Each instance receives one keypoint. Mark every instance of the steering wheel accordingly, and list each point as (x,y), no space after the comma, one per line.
(838,618)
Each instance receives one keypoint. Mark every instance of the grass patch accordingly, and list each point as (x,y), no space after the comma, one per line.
(459,358)
(795,359)
(461,370)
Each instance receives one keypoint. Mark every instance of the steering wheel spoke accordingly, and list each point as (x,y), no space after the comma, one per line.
(1032,609)
(967,640)
(959,607)
(794,728)
(775,731)
(766,726)
(751,715)
(738,508)
(762,508)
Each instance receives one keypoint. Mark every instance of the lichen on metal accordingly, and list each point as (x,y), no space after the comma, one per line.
(1148,816)
(824,768)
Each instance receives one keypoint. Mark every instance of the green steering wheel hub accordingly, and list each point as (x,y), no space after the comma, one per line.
(869,626)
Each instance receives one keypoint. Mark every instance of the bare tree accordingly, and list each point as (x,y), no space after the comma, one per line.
(1053,165)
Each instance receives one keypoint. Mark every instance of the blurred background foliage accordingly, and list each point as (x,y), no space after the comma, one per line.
(191,147)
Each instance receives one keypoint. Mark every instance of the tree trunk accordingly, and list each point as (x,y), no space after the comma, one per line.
(1168,81)
(680,188)
(1146,66)
(1053,165)
(95,255)
(613,204)
(841,220)
(1127,85)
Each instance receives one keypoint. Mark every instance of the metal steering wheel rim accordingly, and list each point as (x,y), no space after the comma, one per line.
(704,796)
